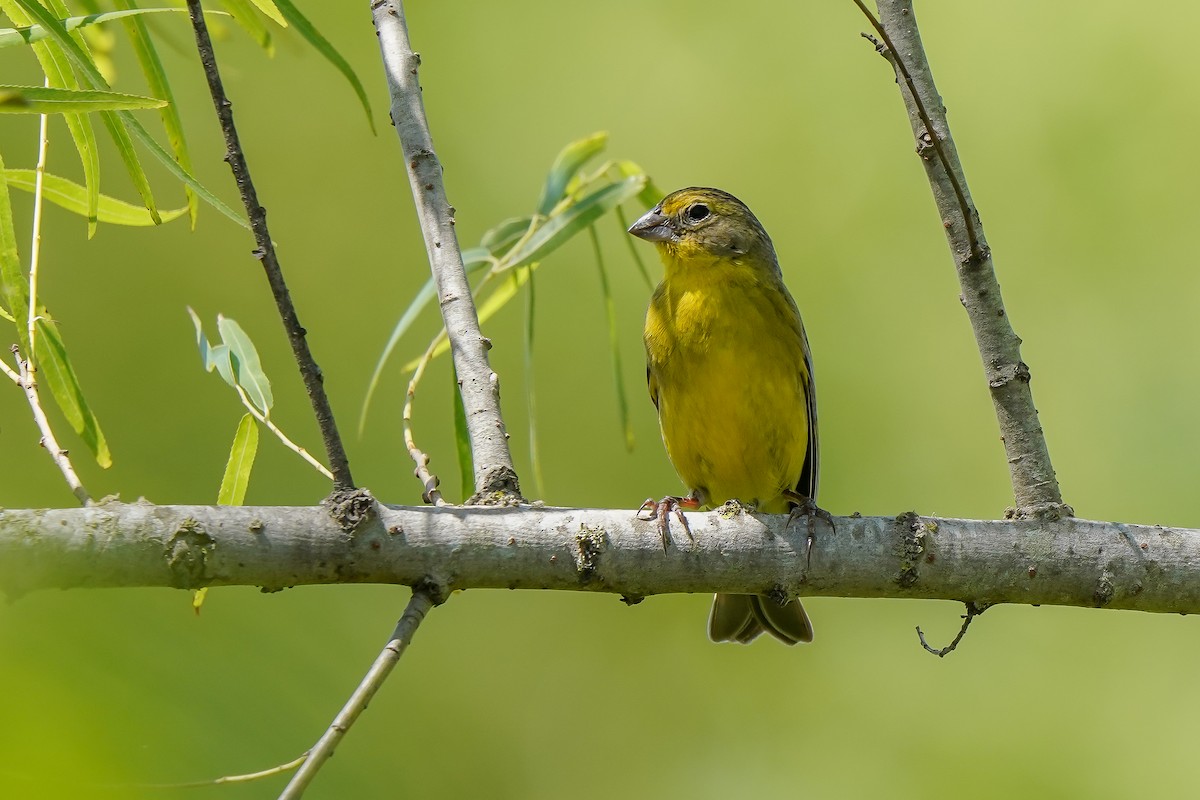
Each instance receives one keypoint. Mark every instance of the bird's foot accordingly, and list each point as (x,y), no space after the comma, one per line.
(807,509)
(661,510)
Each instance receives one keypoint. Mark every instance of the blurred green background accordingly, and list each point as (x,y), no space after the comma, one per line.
(1077,125)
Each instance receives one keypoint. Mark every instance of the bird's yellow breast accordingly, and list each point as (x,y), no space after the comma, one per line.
(726,365)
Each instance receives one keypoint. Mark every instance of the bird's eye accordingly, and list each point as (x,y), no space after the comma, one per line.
(697,212)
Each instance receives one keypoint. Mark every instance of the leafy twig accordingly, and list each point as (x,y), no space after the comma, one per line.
(322,751)
(495,477)
(265,252)
(1035,487)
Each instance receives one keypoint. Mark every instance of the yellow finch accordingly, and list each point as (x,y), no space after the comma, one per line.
(730,373)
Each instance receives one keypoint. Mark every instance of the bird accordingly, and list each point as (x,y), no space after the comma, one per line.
(730,373)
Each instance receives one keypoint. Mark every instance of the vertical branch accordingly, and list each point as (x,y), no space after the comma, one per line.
(1035,486)
(495,477)
(265,252)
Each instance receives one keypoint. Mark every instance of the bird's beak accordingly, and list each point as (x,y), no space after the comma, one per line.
(653,227)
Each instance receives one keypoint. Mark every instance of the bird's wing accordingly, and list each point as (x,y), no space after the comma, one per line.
(807,485)
(652,384)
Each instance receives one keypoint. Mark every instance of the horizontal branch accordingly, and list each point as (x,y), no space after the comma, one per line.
(1068,562)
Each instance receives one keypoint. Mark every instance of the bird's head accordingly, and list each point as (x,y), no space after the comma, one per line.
(701,226)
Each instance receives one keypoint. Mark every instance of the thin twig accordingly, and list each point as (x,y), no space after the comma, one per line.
(1035,488)
(973,611)
(279,434)
(322,751)
(495,477)
(60,456)
(35,247)
(265,252)
(429,481)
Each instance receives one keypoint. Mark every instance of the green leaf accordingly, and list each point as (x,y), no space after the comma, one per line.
(73,197)
(156,80)
(47,100)
(213,356)
(176,169)
(240,463)
(247,18)
(92,75)
(269,8)
(246,365)
(574,218)
(57,69)
(35,33)
(610,310)
(499,238)
(474,260)
(55,368)
(322,46)
(14,285)
(462,440)
(572,159)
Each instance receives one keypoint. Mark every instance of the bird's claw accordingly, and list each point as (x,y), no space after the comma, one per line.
(661,510)
(807,508)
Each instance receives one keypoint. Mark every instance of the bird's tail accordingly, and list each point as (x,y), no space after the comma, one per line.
(742,617)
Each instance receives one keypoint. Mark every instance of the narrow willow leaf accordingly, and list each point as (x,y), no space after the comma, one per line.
(474,260)
(14,285)
(57,373)
(462,441)
(213,357)
(322,46)
(156,80)
(35,33)
(247,18)
(176,169)
(88,69)
(58,72)
(535,460)
(634,250)
(559,228)
(610,310)
(73,198)
(246,365)
(46,100)
(240,463)
(569,161)
(269,8)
